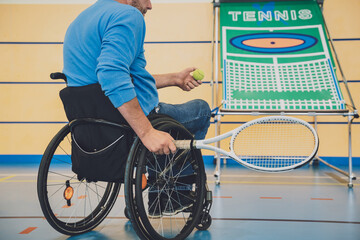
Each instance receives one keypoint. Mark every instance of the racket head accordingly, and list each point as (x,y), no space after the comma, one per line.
(274,144)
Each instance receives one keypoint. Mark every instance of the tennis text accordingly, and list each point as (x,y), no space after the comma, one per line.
(253,16)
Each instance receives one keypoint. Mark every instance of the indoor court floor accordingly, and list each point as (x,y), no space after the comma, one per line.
(312,202)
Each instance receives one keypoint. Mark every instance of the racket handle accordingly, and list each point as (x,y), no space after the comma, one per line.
(183,144)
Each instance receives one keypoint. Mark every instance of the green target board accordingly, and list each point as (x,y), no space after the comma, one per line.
(275,56)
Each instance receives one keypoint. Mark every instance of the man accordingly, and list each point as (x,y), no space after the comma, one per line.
(104,45)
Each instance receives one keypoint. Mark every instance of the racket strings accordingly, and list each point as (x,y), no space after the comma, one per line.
(274,144)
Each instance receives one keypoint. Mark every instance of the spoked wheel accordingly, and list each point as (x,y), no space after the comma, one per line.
(165,193)
(69,205)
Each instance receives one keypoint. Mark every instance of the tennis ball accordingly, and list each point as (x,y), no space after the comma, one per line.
(198,75)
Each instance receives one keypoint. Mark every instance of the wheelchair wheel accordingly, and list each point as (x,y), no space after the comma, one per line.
(69,205)
(165,194)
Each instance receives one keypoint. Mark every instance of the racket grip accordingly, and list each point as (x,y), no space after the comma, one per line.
(183,144)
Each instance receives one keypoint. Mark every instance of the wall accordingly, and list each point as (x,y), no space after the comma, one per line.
(179,34)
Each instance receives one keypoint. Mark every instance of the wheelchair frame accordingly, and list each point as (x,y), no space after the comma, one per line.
(56,206)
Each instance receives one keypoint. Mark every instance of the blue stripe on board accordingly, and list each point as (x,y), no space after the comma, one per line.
(346,39)
(62,82)
(9,159)
(324,123)
(222,122)
(19,159)
(153,42)
(29,43)
(32,122)
(166,42)
(160,42)
(350,81)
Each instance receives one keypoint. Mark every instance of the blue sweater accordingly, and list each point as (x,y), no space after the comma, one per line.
(105,45)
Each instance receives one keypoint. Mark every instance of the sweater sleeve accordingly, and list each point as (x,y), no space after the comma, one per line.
(122,41)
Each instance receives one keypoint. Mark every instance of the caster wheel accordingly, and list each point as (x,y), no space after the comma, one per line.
(205,222)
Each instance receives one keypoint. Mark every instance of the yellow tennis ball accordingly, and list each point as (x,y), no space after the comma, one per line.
(198,75)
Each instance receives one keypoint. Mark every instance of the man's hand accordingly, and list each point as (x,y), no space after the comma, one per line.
(185,81)
(158,142)
(181,79)
(155,141)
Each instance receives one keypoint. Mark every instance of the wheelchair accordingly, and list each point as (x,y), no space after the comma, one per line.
(166,196)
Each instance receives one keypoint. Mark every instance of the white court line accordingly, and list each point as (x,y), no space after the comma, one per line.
(283,183)
(271,176)
(209,176)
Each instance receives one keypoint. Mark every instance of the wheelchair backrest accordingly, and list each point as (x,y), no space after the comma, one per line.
(99,151)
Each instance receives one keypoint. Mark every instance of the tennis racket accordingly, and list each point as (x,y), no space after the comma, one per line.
(269,144)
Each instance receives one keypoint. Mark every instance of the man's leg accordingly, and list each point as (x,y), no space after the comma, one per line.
(194,115)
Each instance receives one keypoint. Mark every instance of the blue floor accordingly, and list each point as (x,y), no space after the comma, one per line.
(313,202)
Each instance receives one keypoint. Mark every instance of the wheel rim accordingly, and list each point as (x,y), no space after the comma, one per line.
(171,224)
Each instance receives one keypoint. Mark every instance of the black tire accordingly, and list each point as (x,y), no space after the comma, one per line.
(91,202)
(126,213)
(205,222)
(170,224)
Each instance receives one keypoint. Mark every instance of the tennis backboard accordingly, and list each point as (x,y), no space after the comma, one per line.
(275,56)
